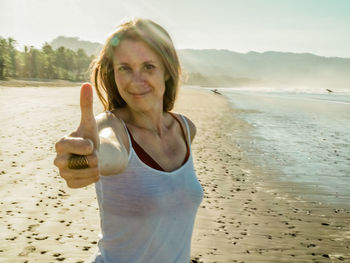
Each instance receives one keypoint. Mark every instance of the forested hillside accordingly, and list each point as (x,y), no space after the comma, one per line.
(68,58)
(44,63)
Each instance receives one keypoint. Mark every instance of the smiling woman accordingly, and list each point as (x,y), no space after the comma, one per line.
(137,152)
(153,37)
(139,75)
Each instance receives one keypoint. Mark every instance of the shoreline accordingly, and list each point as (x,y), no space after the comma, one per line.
(256,217)
(296,158)
(244,216)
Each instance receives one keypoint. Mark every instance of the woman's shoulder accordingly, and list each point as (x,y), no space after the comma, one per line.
(191,125)
(114,146)
(108,119)
(111,119)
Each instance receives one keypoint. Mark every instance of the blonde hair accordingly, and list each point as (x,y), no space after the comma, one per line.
(158,39)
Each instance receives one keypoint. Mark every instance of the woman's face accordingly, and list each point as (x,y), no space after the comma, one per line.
(140,75)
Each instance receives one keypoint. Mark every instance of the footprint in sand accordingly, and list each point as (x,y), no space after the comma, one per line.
(27,250)
(32,228)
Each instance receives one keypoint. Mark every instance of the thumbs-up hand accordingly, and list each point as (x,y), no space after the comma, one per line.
(84,141)
(88,127)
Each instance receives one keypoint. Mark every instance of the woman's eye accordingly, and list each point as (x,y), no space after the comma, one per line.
(122,68)
(149,66)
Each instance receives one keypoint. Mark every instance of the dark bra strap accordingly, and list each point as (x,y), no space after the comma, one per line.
(143,155)
(146,158)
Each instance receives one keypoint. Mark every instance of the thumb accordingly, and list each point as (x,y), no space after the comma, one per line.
(87,128)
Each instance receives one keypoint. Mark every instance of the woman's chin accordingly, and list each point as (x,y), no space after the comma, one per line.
(144,106)
(140,106)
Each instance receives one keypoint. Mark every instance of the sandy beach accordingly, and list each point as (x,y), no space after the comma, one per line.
(246,214)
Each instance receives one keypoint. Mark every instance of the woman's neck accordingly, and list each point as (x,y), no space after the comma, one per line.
(152,121)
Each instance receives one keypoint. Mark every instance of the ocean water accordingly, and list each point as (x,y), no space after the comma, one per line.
(301,136)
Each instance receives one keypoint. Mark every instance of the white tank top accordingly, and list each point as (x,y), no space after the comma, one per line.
(147,215)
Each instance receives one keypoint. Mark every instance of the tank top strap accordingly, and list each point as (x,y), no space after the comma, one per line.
(187,141)
(187,129)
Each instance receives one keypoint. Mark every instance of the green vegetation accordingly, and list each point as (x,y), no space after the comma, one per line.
(46,63)
(68,59)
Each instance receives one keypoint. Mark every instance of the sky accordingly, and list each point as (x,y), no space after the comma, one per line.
(321,27)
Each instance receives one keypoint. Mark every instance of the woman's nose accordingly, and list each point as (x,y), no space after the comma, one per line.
(137,77)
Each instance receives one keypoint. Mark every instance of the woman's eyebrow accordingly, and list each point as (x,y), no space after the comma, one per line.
(127,64)
(149,61)
(121,63)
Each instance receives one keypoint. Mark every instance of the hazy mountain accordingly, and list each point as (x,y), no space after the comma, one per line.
(74,43)
(271,67)
(211,67)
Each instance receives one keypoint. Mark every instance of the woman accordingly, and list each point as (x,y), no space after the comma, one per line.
(137,152)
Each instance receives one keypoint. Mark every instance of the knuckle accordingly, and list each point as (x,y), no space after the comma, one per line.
(73,184)
(58,161)
(65,175)
(58,145)
(70,184)
(61,144)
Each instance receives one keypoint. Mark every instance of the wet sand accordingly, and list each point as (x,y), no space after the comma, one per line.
(246,214)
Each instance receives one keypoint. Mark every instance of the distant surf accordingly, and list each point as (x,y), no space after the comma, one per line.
(302,134)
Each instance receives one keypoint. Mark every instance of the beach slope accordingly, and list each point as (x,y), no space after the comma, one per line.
(244,217)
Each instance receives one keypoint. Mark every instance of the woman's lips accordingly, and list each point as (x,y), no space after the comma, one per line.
(139,93)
